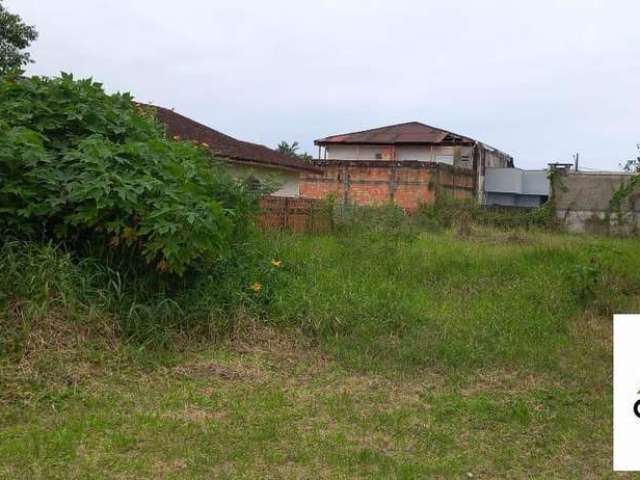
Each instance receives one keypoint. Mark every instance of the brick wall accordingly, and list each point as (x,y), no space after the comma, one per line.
(291,213)
(375,182)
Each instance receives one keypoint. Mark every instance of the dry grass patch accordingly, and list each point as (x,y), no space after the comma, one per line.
(215,370)
(192,413)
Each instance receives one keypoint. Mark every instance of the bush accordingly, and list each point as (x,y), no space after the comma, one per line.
(97,172)
(446,212)
(46,293)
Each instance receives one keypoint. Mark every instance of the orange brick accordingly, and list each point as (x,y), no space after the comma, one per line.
(408,186)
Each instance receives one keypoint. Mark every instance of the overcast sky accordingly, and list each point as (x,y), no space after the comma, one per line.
(539,79)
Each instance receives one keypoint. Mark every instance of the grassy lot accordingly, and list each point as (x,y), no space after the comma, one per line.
(363,355)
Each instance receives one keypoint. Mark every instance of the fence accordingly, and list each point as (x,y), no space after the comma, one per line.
(408,184)
(290,213)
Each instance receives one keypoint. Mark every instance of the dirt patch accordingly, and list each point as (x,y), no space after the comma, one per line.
(502,381)
(288,352)
(169,468)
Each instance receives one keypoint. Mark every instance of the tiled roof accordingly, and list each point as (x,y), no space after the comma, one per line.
(225,146)
(407,133)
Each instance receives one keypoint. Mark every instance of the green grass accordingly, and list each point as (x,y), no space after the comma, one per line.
(274,407)
(376,354)
(438,301)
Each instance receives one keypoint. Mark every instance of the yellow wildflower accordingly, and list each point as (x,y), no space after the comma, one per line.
(276,263)
(129,234)
(256,287)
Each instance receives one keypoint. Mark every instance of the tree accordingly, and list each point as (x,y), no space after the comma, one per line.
(15,37)
(291,149)
(633,165)
(288,149)
(98,174)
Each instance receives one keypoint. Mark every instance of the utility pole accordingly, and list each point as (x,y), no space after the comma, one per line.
(576,161)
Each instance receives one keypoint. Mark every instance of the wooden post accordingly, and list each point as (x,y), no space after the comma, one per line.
(453,182)
(345,184)
(285,219)
(393,181)
(438,183)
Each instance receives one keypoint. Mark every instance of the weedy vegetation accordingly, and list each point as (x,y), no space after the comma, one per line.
(147,330)
(341,355)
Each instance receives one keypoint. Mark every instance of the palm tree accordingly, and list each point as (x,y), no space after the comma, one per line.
(291,149)
(288,149)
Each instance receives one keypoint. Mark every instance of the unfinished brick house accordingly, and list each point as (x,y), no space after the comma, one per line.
(408,164)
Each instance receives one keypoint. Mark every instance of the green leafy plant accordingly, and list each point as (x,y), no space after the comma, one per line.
(623,194)
(622,199)
(96,171)
(586,279)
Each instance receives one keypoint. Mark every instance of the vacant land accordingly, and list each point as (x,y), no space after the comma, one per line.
(363,355)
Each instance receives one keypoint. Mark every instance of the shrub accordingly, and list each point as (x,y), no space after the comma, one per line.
(447,212)
(96,171)
(47,293)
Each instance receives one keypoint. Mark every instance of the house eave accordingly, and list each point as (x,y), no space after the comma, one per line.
(275,166)
(470,143)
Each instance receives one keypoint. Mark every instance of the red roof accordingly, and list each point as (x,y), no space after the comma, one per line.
(407,133)
(225,146)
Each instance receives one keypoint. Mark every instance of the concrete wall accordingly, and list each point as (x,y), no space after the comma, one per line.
(419,153)
(583,202)
(461,156)
(360,152)
(287,182)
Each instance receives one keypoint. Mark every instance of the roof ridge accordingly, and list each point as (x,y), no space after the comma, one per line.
(444,131)
(173,112)
(374,129)
(224,145)
(414,122)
